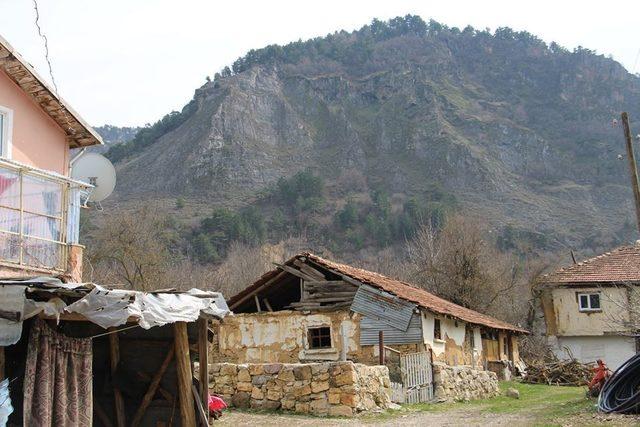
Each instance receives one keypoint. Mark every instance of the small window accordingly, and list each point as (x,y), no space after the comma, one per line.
(472,338)
(589,302)
(6,119)
(319,337)
(437,332)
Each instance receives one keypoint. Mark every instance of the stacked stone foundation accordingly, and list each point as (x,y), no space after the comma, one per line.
(331,388)
(463,383)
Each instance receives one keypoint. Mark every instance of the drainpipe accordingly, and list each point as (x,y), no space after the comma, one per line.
(76,157)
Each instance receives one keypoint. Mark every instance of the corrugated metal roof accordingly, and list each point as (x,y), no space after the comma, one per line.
(383,307)
(369,329)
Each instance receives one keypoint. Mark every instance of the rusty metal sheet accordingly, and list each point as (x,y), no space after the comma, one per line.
(384,307)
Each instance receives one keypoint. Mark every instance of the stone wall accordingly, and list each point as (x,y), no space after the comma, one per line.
(456,383)
(328,388)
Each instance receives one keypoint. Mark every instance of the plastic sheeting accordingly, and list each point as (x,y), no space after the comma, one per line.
(107,308)
(11,301)
(5,403)
(102,306)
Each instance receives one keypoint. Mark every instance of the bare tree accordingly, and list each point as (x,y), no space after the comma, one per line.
(460,264)
(131,249)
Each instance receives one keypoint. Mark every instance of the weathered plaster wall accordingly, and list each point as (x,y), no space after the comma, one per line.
(36,139)
(329,388)
(455,347)
(282,337)
(570,321)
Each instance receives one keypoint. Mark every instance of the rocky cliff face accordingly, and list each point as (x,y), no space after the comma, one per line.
(519,132)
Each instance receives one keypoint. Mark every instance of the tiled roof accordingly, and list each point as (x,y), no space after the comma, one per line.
(401,289)
(619,265)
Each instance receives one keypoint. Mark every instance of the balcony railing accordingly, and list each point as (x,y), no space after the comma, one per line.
(39,216)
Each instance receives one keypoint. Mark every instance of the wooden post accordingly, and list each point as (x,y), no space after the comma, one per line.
(632,165)
(255,297)
(183,366)
(114,353)
(2,364)
(381,344)
(153,387)
(203,354)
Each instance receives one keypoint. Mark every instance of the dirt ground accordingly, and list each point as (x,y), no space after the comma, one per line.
(449,418)
(467,417)
(537,405)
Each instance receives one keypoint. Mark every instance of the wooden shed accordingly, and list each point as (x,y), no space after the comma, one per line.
(82,354)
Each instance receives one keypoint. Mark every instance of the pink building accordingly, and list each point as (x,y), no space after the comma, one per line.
(39,202)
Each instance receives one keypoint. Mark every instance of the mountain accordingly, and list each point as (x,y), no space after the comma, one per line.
(113,135)
(499,125)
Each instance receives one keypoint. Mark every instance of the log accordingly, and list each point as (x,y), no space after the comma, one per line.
(114,353)
(307,269)
(266,304)
(183,365)
(153,387)
(295,272)
(203,356)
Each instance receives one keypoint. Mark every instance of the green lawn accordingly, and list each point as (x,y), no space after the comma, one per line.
(547,404)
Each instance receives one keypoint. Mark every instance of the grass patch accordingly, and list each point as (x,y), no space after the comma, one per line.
(541,402)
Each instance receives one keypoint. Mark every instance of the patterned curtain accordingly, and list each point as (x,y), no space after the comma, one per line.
(58,379)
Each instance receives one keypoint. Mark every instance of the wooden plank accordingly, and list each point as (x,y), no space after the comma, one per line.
(153,387)
(307,269)
(204,418)
(339,283)
(255,291)
(266,304)
(203,356)
(114,359)
(257,300)
(295,272)
(183,365)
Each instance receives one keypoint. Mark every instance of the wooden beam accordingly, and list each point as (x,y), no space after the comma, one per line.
(2,364)
(114,359)
(295,272)
(266,304)
(255,291)
(307,269)
(203,356)
(165,394)
(204,418)
(153,387)
(183,366)
(257,300)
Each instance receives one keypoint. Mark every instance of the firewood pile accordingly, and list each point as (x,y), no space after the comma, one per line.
(559,372)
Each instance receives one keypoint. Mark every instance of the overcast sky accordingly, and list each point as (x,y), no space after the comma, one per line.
(129,62)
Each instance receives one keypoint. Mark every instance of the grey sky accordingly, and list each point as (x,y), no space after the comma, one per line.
(129,62)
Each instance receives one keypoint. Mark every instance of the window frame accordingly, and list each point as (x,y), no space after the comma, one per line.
(311,339)
(6,132)
(437,330)
(589,308)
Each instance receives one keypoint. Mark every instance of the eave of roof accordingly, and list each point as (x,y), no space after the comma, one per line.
(78,131)
(620,265)
(401,289)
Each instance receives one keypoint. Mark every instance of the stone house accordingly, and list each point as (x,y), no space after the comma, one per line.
(310,309)
(589,307)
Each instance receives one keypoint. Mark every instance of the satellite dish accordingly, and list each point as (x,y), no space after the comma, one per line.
(97,170)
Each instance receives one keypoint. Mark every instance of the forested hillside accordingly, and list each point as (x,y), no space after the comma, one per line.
(353,139)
